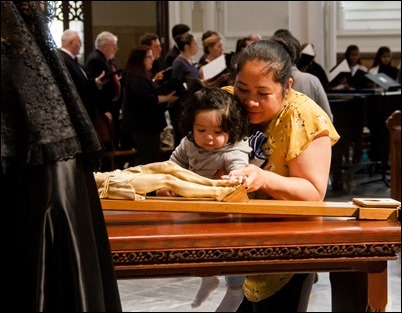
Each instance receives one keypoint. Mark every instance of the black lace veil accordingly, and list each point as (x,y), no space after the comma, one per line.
(49,150)
(42,117)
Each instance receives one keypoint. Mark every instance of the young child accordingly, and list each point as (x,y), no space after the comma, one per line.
(216,143)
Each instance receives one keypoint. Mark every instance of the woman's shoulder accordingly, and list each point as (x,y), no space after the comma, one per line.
(298,98)
(303,113)
(179,62)
(300,105)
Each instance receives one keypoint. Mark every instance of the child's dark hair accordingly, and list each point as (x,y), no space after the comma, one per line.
(234,118)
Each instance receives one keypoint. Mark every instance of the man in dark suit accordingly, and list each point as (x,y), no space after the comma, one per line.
(86,86)
(108,98)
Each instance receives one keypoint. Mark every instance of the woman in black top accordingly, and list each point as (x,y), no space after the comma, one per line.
(143,108)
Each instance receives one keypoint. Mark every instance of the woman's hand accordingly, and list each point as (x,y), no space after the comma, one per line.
(251,176)
(158,76)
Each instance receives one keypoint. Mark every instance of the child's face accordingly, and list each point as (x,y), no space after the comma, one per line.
(207,130)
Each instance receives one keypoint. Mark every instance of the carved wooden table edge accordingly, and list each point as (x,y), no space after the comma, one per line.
(270,259)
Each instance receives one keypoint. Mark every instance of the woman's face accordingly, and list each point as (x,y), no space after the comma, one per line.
(149,59)
(385,58)
(216,50)
(258,93)
(207,130)
(193,47)
(354,57)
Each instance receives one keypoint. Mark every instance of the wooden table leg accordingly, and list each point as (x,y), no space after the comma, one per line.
(360,291)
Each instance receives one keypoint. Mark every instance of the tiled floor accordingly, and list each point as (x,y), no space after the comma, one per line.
(176,294)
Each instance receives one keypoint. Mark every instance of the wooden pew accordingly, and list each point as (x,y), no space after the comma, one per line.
(170,238)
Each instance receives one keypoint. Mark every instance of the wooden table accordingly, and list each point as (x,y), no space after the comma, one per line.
(170,244)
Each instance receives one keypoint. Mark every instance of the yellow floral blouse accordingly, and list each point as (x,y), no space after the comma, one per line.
(293,129)
(289,134)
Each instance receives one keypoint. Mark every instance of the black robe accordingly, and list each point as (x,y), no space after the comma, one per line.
(56,247)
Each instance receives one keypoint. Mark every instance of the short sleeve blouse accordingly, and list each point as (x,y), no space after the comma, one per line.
(293,129)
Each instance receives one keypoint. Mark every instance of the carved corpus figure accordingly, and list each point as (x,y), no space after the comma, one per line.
(134,182)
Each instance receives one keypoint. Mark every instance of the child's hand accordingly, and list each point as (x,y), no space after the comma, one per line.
(234,178)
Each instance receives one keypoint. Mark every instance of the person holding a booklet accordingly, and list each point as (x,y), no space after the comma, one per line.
(349,73)
(173,53)
(213,50)
(184,69)
(383,76)
(158,66)
(143,108)
(183,66)
(103,59)
(86,86)
(206,35)
(382,63)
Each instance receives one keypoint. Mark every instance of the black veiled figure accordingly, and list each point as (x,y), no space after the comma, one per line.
(57,253)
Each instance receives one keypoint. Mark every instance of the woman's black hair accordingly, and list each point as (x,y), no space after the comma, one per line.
(378,55)
(135,61)
(291,45)
(183,40)
(277,60)
(349,50)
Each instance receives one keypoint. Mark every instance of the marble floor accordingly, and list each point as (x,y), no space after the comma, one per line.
(176,294)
